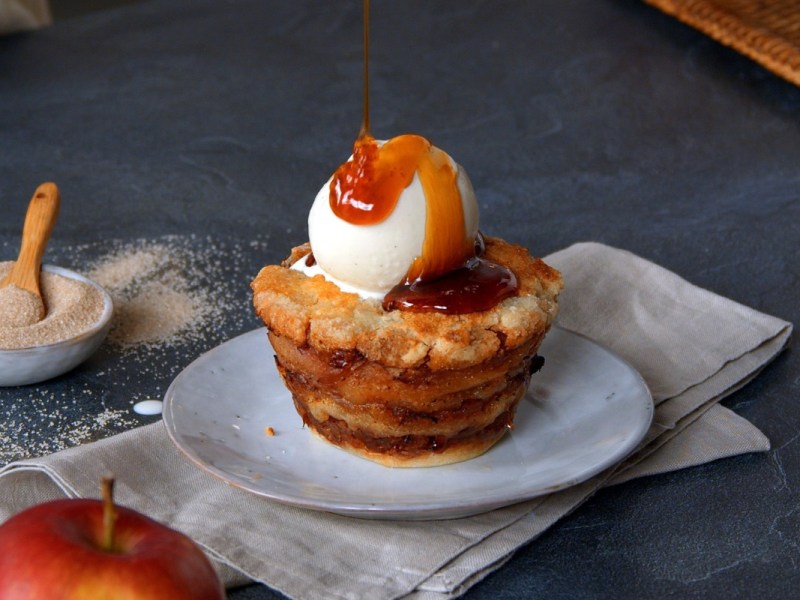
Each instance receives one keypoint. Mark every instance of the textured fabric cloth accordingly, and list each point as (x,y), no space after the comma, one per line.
(692,347)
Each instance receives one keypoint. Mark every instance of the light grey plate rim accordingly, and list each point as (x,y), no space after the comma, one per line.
(638,406)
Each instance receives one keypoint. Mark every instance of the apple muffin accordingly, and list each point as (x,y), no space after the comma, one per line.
(406,388)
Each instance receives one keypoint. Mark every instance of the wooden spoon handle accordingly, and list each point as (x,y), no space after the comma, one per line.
(39,222)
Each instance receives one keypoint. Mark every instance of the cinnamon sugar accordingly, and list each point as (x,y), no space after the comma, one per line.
(19,307)
(73,307)
(209,277)
(154,299)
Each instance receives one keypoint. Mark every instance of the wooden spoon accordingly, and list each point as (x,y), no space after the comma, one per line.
(39,222)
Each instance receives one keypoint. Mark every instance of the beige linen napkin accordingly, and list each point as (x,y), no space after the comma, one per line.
(692,347)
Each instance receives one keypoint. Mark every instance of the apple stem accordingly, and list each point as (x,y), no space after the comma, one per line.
(109,513)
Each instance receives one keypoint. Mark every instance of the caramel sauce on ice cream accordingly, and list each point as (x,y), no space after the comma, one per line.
(447,276)
(365,191)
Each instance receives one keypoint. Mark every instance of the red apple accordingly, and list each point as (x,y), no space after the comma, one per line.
(91,549)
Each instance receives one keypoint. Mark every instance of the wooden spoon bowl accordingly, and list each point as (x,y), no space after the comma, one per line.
(39,222)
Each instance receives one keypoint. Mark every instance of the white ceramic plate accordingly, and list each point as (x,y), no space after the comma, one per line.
(585,410)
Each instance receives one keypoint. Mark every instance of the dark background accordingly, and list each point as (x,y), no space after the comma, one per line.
(65,9)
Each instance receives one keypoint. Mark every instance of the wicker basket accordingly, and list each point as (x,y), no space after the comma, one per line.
(768,31)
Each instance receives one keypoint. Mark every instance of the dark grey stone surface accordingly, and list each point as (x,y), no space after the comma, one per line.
(577,121)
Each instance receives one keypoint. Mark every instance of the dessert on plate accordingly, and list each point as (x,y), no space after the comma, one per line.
(403,334)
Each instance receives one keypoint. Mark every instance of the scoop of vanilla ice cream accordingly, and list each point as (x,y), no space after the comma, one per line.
(371,259)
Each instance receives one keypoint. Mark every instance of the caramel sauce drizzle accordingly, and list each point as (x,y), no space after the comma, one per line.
(448,275)
(366,190)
